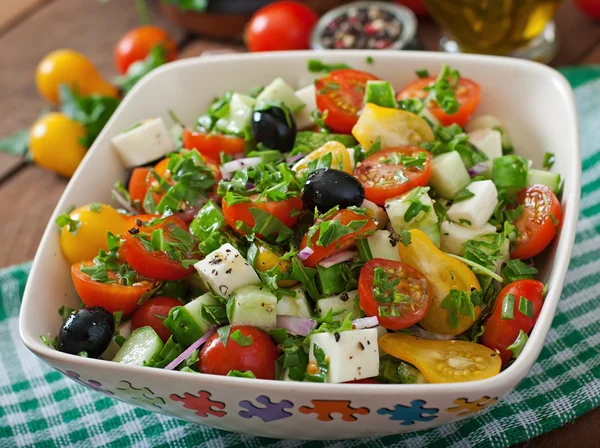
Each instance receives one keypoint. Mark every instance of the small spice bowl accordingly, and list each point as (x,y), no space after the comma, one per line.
(365,25)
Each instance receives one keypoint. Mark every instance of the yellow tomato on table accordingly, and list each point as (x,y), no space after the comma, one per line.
(443,361)
(84,232)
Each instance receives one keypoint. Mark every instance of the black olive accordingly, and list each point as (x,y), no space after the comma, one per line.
(326,188)
(274,128)
(87,330)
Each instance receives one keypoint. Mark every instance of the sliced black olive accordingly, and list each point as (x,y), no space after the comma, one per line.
(326,188)
(274,127)
(87,330)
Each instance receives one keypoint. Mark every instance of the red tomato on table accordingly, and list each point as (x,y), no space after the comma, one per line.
(538,223)
(345,217)
(500,333)
(146,315)
(394,289)
(341,94)
(279,26)
(155,264)
(259,357)
(393,171)
(468,94)
(136,45)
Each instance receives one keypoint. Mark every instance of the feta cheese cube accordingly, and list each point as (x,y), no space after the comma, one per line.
(309,97)
(225,270)
(478,209)
(342,304)
(143,144)
(381,246)
(376,212)
(352,355)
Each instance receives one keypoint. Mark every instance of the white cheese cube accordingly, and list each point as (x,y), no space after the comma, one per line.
(483,122)
(303,118)
(448,174)
(488,141)
(225,270)
(381,246)
(477,210)
(143,144)
(375,211)
(294,306)
(340,305)
(453,236)
(353,355)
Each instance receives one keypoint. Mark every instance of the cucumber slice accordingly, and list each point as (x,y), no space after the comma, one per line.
(186,323)
(297,306)
(381,246)
(238,118)
(340,305)
(380,93)
(426,220)
(252,305)
(279,90)
(551,180)
(448,174)
(141,347)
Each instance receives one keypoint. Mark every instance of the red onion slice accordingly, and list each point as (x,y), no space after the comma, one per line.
(300,326)
(345,255)
(305,253)
(365,322)
(227,169)
(295,158)
(188,351)
(477,169)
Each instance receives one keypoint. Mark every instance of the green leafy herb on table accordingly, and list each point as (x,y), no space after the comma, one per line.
(16,144)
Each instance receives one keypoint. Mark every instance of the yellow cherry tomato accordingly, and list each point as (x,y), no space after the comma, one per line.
(54,142)
(444,273)
(86,234)
(392,127)
(267,260)
(71,68)
(443,361)
(340,157)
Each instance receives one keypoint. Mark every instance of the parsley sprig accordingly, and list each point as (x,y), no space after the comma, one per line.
(443,90)
(106,262)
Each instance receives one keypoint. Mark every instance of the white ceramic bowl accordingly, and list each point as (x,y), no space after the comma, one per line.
(534,101)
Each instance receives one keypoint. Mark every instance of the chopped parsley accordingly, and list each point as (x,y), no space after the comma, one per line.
(329,86)
(322,366)
(332,230)
(408,161)
(405,238)
(461,303)
(317,66)
(416,206)
(548,160)
(66,220)
(442,91)
(519,344)
(369,60)
(526,307)
(244,374)
(517,270)
(294,356)
(508,307)
(240,339)
(106,262)
(462,195)
(223,334)
(453,138)
(422,73)
(95,207)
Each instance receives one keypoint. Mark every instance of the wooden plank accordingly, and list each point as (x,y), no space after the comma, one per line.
(593,57)
(198,46)
(27,203)
(8,165)
(14,10)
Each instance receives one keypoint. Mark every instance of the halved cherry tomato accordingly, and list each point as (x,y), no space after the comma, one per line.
(468,94)
(393,171)
(443,361)
(259,357)
(538,223)
(150,314)
(394,292)
(341,94)
(212,145)
(363,381)
(286,211)
(500,333)
(136,45)
(444,273)
(154,264)
(138,184)
(111,296)
(345,217)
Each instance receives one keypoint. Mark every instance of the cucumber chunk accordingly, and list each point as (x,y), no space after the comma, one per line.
(381,246)
(380,93)
(340,306)
(448,174)
(253,305)
(187,323)
(425,220)
(141,347)
(551,180)
(238,117)
(297,306)
(279,90)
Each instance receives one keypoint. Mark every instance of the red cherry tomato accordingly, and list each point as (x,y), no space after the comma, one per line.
(341,94)
(416,6)
(111,296)
(394,292)
(386,175)
(212,145)
(345,217)
(280,26)
(136,44)
(154,264)
(146,315)
(590,8)
(259,357)
(286,211)
(138,185)
(538,223)
(468,94)
(500,333)
(363,381)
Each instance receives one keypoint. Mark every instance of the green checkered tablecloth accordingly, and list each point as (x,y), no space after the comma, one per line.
(40,407)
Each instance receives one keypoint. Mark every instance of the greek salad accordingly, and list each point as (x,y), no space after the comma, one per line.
(342,232)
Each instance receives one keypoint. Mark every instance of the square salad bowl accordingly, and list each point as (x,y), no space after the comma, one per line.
(533,101)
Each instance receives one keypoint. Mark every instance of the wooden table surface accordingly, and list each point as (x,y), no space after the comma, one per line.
(31,28)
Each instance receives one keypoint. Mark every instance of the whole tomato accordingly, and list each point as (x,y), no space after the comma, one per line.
(590,8)
(136,44)
(279,26)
